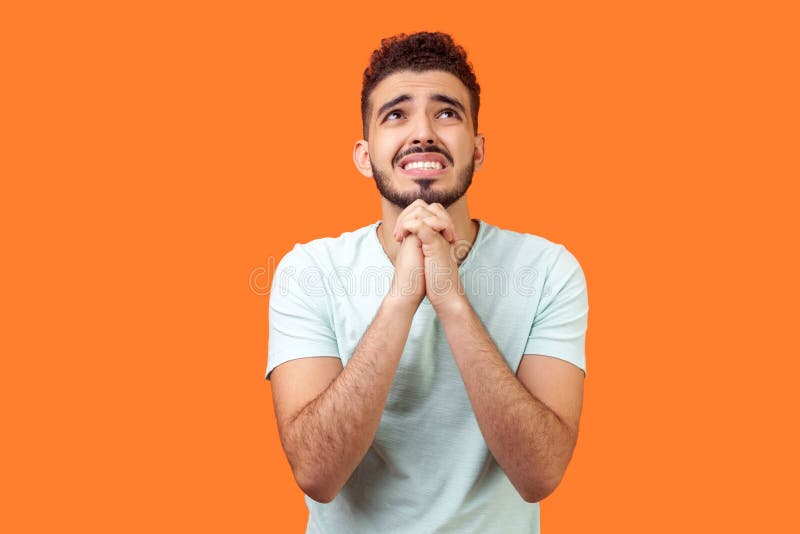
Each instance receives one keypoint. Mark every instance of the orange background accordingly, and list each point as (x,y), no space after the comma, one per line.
(158,158)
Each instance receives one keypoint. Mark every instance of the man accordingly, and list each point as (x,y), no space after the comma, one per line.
(438,402)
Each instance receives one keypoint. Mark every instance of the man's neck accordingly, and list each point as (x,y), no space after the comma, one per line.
(466,228)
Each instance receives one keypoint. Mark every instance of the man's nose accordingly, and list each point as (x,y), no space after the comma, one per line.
(423,132)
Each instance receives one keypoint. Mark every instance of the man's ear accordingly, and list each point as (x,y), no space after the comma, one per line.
(480,151)
(361,158)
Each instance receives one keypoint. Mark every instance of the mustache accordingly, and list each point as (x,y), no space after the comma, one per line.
(419,150)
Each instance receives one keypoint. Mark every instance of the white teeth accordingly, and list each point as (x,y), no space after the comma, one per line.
(423,165)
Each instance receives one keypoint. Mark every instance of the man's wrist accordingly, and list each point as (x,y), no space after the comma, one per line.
(397,303)
(454,307)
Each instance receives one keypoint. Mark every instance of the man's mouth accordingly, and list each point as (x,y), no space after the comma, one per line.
(424,164)
(423,169)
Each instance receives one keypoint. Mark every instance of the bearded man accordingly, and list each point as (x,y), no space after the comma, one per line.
(447,399)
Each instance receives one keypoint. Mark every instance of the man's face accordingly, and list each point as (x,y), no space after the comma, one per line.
(421,138)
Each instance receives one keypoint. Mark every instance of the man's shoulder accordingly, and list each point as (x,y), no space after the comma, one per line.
(331,251)
(513,246)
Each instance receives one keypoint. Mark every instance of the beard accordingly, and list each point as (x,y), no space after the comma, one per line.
(404,199)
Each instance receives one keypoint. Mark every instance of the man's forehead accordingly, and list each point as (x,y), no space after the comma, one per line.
(419,84)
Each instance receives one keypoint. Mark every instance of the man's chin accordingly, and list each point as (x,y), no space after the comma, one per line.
(424,184)
(430,196)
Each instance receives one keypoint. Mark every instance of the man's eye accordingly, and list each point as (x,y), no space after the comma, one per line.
(394,115)
(448,114)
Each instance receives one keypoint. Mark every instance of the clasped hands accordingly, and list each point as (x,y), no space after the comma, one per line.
(425,264)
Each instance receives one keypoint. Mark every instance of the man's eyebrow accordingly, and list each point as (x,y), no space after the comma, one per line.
(448,100)
(393,102)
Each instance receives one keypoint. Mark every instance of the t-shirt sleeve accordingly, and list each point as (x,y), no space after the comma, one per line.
(299,318)
(559,326)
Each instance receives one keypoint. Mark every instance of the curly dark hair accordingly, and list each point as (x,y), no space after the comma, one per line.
(419,52)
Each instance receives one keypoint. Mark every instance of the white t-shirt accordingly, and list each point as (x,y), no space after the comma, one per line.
(429,468)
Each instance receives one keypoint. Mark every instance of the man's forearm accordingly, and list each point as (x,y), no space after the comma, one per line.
(328,438)
(528,440)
